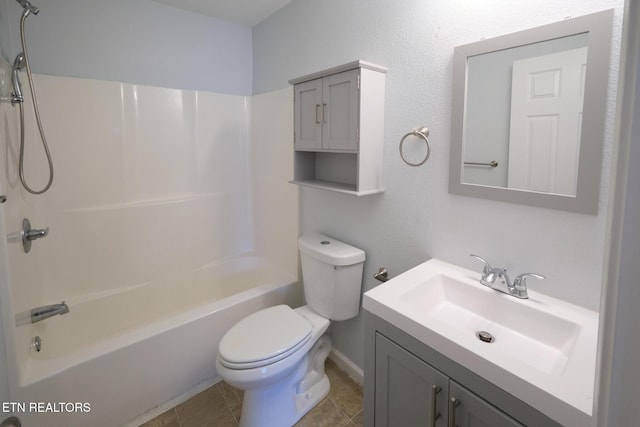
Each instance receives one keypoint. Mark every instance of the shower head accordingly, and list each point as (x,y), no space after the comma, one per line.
(18,64)
(28,7)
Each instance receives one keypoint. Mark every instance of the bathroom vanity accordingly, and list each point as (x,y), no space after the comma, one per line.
(407,382)
(440,346)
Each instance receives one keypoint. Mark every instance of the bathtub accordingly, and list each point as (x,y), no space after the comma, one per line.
(120,355)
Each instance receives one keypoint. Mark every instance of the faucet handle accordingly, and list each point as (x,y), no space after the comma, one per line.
(520,284)
(487,267)
(522,278)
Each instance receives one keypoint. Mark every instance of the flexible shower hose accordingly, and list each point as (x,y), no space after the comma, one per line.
(37,114)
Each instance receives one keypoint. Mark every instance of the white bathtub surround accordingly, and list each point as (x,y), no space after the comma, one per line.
(275,201)
(161,216)
(148,181)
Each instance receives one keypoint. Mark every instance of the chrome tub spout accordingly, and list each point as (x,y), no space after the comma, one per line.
(46,311)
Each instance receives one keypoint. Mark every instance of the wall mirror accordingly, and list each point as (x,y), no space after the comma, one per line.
(529,113)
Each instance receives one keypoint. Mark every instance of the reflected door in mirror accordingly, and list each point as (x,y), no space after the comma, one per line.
(546,117)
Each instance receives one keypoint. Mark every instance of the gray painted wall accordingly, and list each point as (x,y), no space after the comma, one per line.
(132,41)
(416,218)
(6,50)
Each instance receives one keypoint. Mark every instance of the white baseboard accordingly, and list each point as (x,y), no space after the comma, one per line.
(345,364)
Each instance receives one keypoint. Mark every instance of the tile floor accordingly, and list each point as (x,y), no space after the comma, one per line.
(219,406)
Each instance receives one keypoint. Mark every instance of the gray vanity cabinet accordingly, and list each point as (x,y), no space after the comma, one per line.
(407,383)
(469,410)
(408,391)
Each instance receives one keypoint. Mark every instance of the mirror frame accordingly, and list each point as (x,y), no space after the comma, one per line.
(599,26)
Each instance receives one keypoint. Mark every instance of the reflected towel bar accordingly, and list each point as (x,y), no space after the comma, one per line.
(493,164)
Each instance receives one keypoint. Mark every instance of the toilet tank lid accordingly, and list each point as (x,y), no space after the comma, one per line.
(330,250)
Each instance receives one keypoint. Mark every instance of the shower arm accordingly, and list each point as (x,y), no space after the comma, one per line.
(28,7)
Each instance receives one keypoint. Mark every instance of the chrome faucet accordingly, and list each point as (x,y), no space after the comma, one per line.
(517,288)
(46,311)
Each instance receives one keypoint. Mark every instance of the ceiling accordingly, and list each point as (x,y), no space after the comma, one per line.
(242,12)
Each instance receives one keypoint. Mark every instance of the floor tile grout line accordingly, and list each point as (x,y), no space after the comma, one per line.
(228,405)
(177,416)
(349,419)
(361,411)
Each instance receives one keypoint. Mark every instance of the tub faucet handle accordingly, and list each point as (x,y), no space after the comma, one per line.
(37,233)
(30,234)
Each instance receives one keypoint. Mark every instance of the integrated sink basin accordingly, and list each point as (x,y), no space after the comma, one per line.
(460,308)
(541,350)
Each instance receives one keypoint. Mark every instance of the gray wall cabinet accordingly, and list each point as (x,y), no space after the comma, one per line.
(339,129)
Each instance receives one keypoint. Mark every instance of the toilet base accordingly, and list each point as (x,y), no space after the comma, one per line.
(284,403)
(312,396)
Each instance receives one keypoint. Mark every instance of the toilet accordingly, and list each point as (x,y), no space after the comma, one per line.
(277,355)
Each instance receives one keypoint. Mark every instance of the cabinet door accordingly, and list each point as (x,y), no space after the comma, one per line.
(404,393)
(308,115)
(472,411)
(340,111)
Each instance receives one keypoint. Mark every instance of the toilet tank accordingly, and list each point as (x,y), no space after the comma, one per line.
(331,275)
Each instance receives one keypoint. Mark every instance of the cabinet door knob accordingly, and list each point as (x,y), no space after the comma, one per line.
(317,114)
(434,400)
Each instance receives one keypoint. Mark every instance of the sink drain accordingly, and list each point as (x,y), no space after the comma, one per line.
(485,336)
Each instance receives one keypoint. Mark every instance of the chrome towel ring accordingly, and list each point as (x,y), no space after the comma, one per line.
(423,133)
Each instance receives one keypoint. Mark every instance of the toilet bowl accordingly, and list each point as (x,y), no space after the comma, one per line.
(280,387)
(277,355)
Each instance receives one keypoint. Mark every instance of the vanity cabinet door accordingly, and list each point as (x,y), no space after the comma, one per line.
(404,390)
(470,410)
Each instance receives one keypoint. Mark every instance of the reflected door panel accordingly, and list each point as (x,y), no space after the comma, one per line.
(546,118)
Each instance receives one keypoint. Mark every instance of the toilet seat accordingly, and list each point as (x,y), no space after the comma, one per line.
(263,338)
